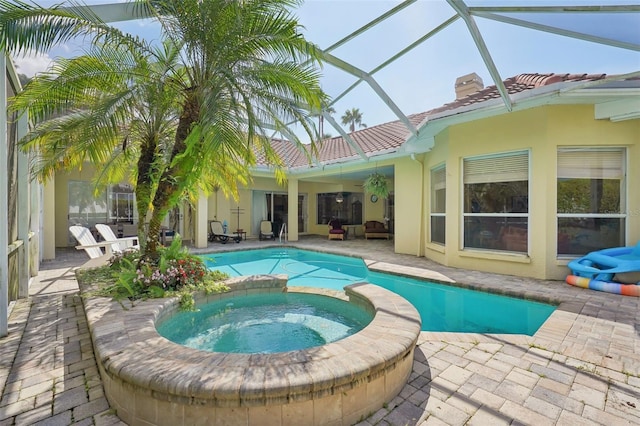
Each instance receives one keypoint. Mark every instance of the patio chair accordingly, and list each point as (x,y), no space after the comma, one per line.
(89,244)
(216,232)
(266,231)
(119,244)
(375,229)
(336,230)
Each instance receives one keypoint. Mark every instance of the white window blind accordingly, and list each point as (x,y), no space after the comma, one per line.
(498,168)
(591,163)
(438,178)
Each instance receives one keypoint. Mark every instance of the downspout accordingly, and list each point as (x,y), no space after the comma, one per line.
(420,252)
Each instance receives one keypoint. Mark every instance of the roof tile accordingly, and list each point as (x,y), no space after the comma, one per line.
(388,136)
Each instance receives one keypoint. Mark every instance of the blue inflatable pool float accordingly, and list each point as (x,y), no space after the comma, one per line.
(602,265)
(597,269)
(609,287)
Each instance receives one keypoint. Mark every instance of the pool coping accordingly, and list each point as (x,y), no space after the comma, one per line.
(148,378)
(555,323)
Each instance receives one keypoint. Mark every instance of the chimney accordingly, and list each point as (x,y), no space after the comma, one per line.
(468,84)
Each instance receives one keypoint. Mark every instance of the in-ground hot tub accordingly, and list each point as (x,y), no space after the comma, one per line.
(150,380)
(266,323)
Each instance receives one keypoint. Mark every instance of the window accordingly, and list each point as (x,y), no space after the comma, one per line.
(115,206)
(121,201)
(438,201)
(349,211)
(84,207)
(496,202)
(591,201)
(277,209)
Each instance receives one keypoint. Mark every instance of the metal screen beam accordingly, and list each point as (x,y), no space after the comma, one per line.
(345,136)
(370,24)
(398,55)
(460,7)
(114,12)
(556,30)
(355,71)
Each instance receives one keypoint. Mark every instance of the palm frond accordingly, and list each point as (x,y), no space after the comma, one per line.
(28,27)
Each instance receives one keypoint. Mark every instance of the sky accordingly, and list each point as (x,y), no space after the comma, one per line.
(424,78)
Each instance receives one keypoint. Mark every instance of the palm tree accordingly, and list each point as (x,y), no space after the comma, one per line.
(190,115)
(110,107)
(353,117)
(329,110)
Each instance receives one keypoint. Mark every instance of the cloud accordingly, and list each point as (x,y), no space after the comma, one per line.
(32,64)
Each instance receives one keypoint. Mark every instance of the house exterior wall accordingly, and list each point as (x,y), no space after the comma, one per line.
(60,200)
(311,188)
(375,211)
(409,206)
(540,131)
(56,200)
(435,158)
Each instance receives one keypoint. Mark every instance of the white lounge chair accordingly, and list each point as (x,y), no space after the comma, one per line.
(266,231)
(89,244)
(119,244)
(217,233)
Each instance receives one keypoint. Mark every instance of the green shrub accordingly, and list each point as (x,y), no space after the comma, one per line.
(176,272)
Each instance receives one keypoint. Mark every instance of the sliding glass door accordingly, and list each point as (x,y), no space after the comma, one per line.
(274,207)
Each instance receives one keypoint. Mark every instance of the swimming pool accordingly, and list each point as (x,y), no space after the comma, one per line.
(442,307)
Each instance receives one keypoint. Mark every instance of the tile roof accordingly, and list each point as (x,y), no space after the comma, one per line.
(514,85)
(287,151)
(389,136)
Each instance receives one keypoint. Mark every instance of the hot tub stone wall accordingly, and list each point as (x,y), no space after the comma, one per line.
(150,380)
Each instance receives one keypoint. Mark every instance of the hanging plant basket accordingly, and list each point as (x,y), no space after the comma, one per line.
(376,184)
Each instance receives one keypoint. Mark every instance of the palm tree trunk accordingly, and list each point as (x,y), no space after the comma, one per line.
(144,187)
(153,236)
(170,186)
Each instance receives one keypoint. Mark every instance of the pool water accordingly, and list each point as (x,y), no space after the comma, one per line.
(266,323)
(447,308)
(442,307)
(304,268)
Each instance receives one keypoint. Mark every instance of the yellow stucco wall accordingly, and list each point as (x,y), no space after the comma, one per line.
(58,194)
(409,206)
(540,131)
(435,158)
(61,201)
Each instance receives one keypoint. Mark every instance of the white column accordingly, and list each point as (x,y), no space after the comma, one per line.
(23,214)
(201,213)
(292,222)
(49,220)
(4,208)
(35,192)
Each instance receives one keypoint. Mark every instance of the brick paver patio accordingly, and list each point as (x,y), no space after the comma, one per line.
(581,368)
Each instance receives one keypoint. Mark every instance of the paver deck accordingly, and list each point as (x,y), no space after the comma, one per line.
(581,368)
